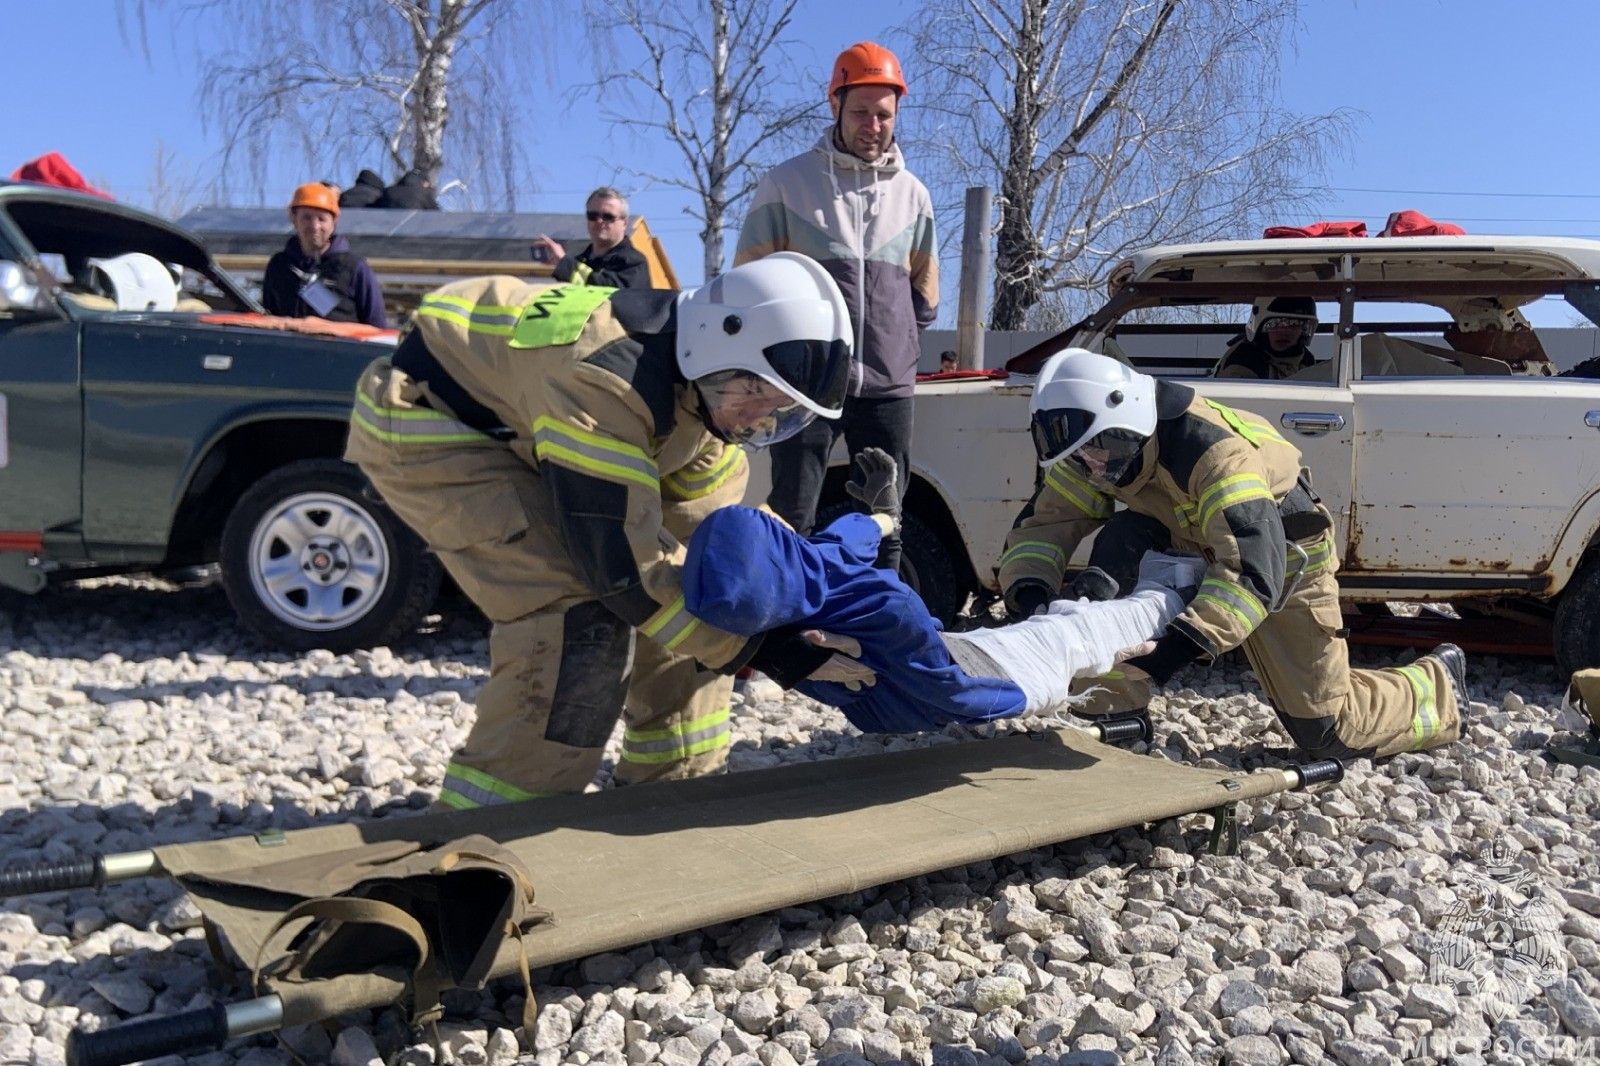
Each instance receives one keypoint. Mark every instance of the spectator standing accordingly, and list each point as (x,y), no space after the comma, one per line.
(316,275)
(609,259)
(850,203)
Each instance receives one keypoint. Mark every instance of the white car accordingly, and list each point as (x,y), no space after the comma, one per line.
(1459,466)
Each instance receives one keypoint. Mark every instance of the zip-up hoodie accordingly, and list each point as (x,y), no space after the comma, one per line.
(870,225)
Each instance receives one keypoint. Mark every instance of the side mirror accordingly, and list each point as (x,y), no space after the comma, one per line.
(18,289)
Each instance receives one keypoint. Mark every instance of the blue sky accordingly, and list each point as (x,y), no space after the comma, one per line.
(1471,110)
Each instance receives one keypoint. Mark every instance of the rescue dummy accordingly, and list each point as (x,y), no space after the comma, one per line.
(1224,484)
(555,446)
(747,572)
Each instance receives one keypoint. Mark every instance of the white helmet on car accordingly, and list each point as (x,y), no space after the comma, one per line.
(1094,411)
(137,281)
(777,326)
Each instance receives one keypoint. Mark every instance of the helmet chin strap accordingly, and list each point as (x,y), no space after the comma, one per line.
(705,414)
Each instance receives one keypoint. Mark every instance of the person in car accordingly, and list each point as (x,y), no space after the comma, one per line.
(1276,340)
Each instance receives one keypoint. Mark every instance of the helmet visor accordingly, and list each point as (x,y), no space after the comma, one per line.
(814,372)
(1110,456)
(1305,325)
(744,409)
(1058,429)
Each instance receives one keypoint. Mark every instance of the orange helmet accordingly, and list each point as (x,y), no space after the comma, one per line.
(866,63)
(316,194)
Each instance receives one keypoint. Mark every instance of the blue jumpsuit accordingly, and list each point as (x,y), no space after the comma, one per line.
(746,573)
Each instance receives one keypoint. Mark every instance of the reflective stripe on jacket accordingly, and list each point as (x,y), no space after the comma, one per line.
(1214,477)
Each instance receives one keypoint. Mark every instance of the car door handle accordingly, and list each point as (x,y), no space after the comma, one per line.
(1312,423)
(1592,419)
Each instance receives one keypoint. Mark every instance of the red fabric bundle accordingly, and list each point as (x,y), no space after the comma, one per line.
(53,169)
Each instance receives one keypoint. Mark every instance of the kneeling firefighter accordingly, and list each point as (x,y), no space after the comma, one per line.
(556,445)
(1224,484)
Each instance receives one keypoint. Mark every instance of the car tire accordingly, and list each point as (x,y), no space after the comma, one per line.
(1576,630)
(309,560)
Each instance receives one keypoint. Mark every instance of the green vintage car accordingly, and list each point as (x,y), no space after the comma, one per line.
(138,435)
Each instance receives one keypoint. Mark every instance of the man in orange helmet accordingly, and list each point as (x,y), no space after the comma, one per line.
(851,204)
(316,275)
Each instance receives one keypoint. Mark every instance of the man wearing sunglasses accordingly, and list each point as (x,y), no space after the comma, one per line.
(609,259)
(556,446)
(1226,486)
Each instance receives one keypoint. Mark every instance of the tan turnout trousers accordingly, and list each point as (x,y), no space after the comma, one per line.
(562,666)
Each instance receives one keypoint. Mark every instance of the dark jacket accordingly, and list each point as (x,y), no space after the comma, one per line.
(346,274)
(1254,359)
(367,190)
(410,192)
(623,267)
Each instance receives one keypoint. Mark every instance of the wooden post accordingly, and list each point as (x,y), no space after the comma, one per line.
(974,278)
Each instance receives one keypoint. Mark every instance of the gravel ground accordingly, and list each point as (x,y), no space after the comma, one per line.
(1325,940)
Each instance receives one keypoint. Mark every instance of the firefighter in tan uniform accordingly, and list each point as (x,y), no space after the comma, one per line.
(1224,485)
(556,445)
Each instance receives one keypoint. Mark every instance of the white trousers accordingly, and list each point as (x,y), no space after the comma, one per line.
(1079,638)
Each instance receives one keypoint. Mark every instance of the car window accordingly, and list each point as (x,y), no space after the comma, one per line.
(1208,339)
(1478,337)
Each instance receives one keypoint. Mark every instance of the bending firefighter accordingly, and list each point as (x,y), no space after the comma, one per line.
(1224,484)
(556,445)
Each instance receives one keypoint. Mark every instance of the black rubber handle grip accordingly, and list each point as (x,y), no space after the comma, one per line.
(52,877)
(150,1038)
(1321,772)
(1126,729)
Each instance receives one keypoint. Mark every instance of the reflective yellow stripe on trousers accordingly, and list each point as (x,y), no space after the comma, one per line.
(706,733)
(1425,721)
(465,787)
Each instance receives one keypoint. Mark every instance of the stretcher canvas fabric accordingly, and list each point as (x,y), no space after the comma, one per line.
(622,867)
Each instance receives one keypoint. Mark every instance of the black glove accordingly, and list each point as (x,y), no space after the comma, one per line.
(787,657)
(1093,584)
(872,482)
(1175,650)
(1026,596)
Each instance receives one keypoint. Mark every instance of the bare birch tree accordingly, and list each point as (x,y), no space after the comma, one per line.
(1112,124)
(708,85)
(340,81)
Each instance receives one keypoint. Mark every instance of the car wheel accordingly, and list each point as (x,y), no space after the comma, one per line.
(309,561)
(1576,630)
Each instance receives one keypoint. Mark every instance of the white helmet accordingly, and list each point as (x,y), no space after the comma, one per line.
(779,320)
(1083,402)
(136,281)
(1271,312)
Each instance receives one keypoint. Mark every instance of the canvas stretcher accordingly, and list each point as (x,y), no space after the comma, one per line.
(618,868)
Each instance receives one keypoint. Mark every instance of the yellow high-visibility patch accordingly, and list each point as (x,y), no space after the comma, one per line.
(557,315)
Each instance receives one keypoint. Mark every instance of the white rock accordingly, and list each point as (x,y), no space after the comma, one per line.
(354,1047)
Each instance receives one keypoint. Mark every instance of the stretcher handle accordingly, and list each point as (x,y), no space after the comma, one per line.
(92,871)
(1321,772)
(150,1038)
(52,877)
(1130,728)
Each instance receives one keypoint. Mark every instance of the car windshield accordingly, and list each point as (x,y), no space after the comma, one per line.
(107,260)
